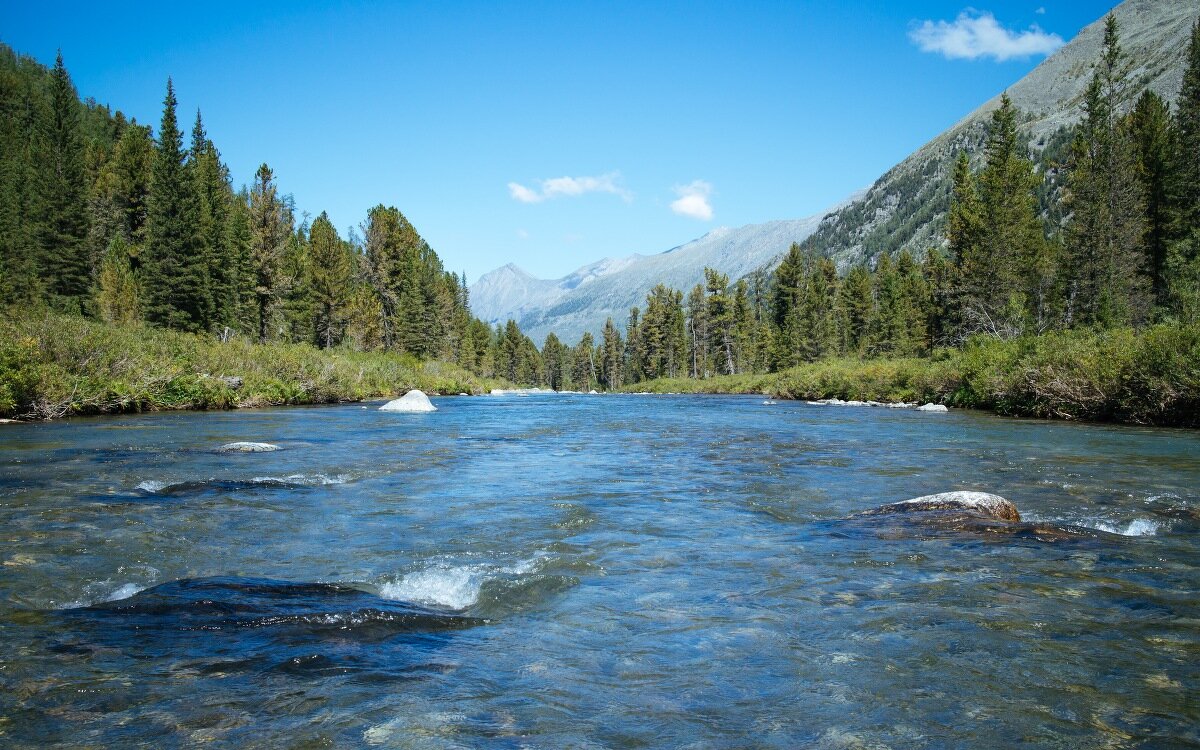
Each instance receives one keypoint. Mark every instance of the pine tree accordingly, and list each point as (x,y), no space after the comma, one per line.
(20,212)
(583,364)
(612,360)
(856,300)
(1108,286)
(964,231)
(1183,248)
(721,318)
(214,193)
(117,297)
(270,232)
(1007,285)
(698,332)
(331,267)
(1150,123)
(63,193)
(555,359)
(175,272)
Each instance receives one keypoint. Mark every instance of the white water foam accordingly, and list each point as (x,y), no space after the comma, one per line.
(1136,527)
(97,593)
(151,485)
(308,479)
(124,592)
(452,586)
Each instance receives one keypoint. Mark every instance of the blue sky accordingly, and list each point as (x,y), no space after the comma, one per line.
(667,119)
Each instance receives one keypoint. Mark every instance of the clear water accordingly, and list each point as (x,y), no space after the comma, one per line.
(603,571)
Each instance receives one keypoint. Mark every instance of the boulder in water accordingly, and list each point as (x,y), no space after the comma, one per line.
(247,447)
(412,402)
(977,504)
(932,407)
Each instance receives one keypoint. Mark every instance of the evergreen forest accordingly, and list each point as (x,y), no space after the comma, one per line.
(1093,243)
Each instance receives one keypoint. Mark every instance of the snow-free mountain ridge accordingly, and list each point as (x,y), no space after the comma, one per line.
(904,209)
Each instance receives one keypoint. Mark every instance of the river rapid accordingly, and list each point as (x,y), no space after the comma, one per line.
(615,571)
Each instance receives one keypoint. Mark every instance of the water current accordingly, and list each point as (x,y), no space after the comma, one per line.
(556,571)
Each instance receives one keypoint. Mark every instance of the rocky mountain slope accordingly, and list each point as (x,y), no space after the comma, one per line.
(584,299)
(904,209)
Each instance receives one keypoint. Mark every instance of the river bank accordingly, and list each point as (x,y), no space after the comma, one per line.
(54,366)
(1148,378)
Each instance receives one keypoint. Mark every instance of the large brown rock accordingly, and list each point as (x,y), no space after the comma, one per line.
(976,504)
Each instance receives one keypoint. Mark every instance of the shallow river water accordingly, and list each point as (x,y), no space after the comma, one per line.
(594,572)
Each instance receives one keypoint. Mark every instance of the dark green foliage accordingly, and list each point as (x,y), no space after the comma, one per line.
(1108,285)
(62,196)
(175,280)
(1183,247)
(332,265)
(1150,123)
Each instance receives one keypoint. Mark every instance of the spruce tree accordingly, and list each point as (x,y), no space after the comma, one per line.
(270,232)
(175,275)
(1150,122)
(63,193)
(1108,286)
(612,360)
(1007,286)
(554,358)
(1183,248)
(330,280)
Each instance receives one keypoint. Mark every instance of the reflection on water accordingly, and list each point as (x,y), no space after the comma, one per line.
(603,571)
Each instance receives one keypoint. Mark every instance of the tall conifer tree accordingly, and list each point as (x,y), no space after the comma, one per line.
(175,279)
(63,196)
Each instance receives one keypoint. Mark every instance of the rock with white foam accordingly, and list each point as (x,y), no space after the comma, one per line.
(932,407)
(413,402)
(976,504)
(248,447)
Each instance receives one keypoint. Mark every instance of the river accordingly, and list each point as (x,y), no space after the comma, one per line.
(595,572)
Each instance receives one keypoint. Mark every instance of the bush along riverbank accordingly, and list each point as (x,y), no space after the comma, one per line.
(1150,377)
(55,366)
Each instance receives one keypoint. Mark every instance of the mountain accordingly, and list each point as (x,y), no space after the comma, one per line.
(583,300)
(906,207)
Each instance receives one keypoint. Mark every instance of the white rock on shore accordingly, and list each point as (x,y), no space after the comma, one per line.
(413,402)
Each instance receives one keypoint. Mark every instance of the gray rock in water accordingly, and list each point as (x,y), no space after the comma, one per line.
(932,407)
(233,381)
(978,504)
(412,402)
(246,447)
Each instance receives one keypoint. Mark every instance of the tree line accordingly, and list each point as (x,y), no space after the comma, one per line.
(1107,237)
(100,216)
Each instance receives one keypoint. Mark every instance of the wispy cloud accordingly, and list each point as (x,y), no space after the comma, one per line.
(557,187)
(693,200)
(976,34)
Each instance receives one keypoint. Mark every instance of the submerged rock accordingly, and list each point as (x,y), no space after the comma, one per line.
(977,504)
(247,447)
(413,401)
(932,407)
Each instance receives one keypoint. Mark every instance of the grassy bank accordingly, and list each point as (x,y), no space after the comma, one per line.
(1151,377)
(53,366)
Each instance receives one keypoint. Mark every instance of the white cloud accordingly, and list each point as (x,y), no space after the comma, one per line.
(522,234)
(1040,11)
(693,200)
(976,34)
(523,194)
(556,187)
